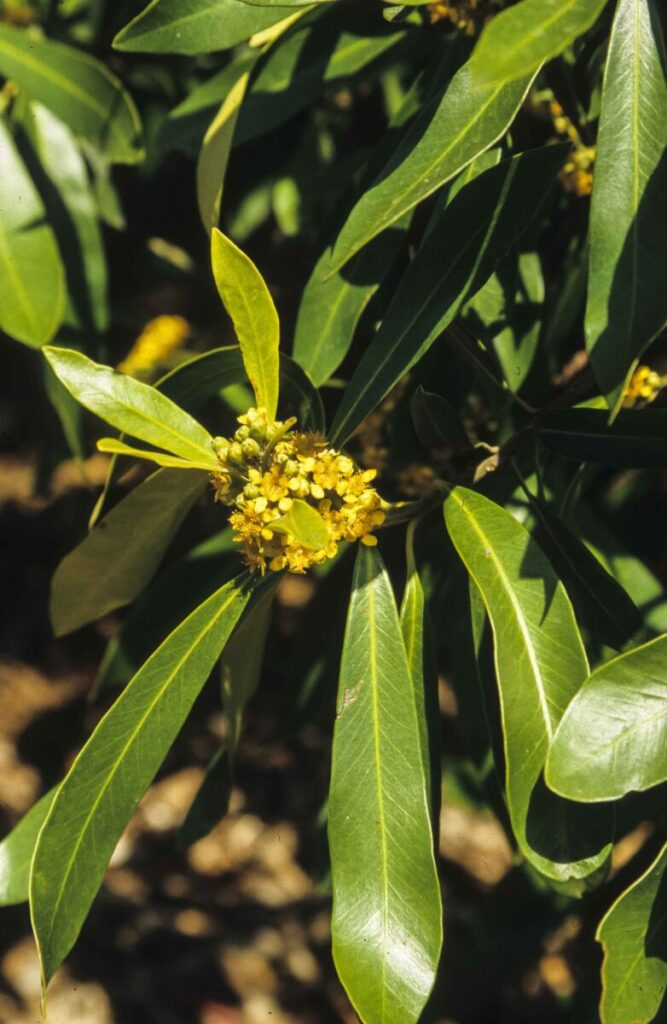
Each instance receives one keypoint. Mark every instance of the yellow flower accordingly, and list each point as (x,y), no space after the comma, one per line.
(261,481)
(644,387)
(159,338)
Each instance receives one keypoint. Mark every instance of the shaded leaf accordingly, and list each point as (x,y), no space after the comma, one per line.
(436,421)
(387,929)
(613,736)
(16,852)
(637,439)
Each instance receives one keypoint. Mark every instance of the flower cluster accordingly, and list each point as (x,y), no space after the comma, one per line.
(644,387)
(466,15)
(577,174)
(266,467)
(158,340)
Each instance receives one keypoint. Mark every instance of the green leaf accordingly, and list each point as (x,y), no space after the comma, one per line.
(519,39)
(32,279)
(119,556)
(16,852)
(305,524)
(633,934)
(627,303)
(613,736)
(637,439)
(110,775)
(540,666)
(79,89)
(115,447)
(454,260)
(248,301)
(387,927)
(195,26)
(436,422)
(440,143)
(131,406)
(332,304)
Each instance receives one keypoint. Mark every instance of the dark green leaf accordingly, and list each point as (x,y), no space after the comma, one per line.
(613,736)
(637,439)
(436,422)
(387,928)
(16,852)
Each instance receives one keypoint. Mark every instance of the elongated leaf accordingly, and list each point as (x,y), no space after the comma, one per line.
(613,736)
(454,260)
(519,39)
(214,153)
(386,926)
(633,934)
(305,524)
(248,301)
(540,666)
(131,406)
(32,279)
(637,439)
(627,303)
(79,89)
(436,422)
(119,556)
(16,852)
(115,447)
(332,305)
(441,143)
(114,769)
(195,26)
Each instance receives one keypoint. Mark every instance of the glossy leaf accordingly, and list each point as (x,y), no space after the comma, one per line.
(386,925)
(131,406)
(627,303)
(520,38)
(441,142)
(110,775)
(32,279)
(113,446)
(633,934)
(613,736)
(305,524)
(119,556)
(454,260)
(637,439)
(195,26)
(248,301)
(79,89)
(540,666)
(16,852)
(215,150)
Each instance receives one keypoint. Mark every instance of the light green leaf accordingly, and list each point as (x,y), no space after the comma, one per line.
(115,447)
(613,736)
(118,557)
(637,439)
(110,775)
(540,666)
(195,26)
(16,852)
(387,927)
(32,278)
(454,260)
(627,301)
(79,89)
(520,38)
(439,144)
(135,408)
(305,524)
(633,934)
(248,301)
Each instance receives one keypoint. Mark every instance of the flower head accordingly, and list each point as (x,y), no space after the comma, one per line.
(266,468)
(644,387)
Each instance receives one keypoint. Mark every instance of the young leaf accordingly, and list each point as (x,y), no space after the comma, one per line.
(119,556)
(79,89)
(130,406)
(16,852)
(305,524)
(195,26)
(32,278)
(110,775)
(387,928)
(613,736)
(454,260)
(637,439)
(520,38)
(627,303)
(540,665)
(633,934)
(439,145)
(115,447)
(248,301)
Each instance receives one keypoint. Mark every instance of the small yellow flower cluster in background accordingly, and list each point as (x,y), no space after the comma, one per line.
(265,467)
(644,387)
(466,15)
(577,174)
(158,340)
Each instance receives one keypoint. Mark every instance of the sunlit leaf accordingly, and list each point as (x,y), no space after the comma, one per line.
(305,524)
(16,852)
